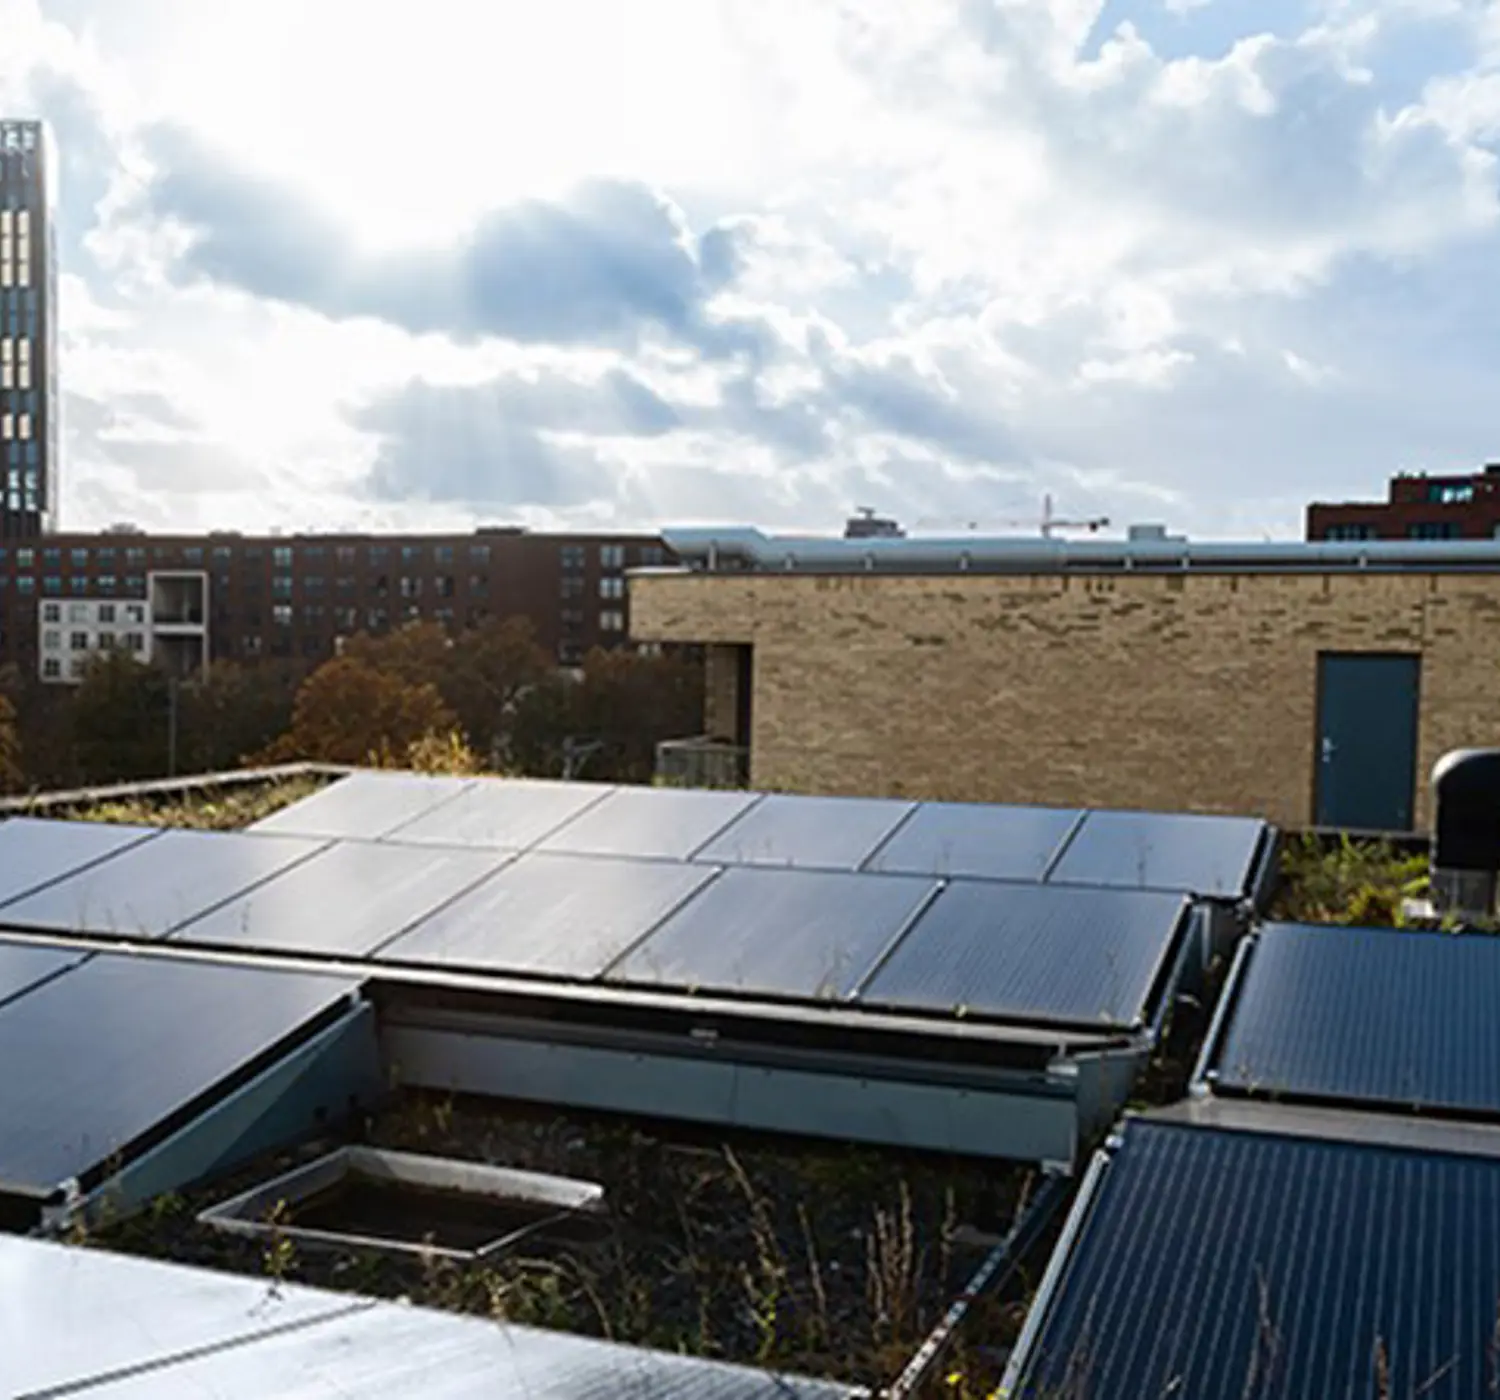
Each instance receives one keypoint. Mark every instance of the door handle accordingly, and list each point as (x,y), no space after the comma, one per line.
(1328,749)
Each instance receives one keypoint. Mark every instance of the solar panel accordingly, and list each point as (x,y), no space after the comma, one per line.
(567,916)
(813,833)
(364,806)
(23,967)
(34,852)
(1378,1015)
(501,813)
(150,888)
(1034,952)
(1222,1264)
(1212,857)
(799,933)
(102,1054)
(973,839)
(670,823)
(346,900)
(139,1312)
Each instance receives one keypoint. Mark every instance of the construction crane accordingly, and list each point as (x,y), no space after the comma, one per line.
(1048,523)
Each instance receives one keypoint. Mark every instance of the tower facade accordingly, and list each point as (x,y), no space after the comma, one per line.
(29,420)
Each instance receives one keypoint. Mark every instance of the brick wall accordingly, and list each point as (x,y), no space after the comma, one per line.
(1191,692)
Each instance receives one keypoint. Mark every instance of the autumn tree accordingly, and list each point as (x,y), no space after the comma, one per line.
(348,711)
(491,668)
(120,717)
(11,775)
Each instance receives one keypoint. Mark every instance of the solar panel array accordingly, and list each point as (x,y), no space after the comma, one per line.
(1207,856)
(1369,1016)
(1225,1263)
(626,899)
(82,1321)
(101,1049)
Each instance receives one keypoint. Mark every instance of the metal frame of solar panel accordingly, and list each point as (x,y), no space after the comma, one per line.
(85,1321)
(1374,1018)
(1213,1260)
(131,1075)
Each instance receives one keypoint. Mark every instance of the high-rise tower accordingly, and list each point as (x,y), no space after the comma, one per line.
(28,331)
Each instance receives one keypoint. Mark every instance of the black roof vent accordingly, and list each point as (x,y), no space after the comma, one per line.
(1466,831)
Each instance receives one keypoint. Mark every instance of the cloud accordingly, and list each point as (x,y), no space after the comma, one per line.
(602,267)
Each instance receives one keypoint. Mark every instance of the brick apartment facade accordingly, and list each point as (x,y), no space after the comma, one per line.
(1463,507)
(293,596)
(1149,687)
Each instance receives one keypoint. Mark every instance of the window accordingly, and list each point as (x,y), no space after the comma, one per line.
(313,614)
(611,556)
(1350,532)
(479,585)
(52,584)
(135,613)
(281,586)
(193,554)
(571,618)
(345,556)
(25,584)
(313,583)
(381,586)
(250,644)
(78,612)
(443,553)
(479,554)
(344,585)
(52,668)
(222,554)
(51,612)
(134,641)
(1449,493)
(652,555)
(411,587)
(1433,530)
(312,644)
(78,584)
(135,583)
(443,585)
(612,621)
(51,639)
(313,554)
(377,619)
(377,555)
(79,558)
(107,614)
(612,588)
(571,556)
(572,586)
(281,614)
(411,554)
(569,653)
(25,559)
(346,619)
(78,641)
(443,617)
(106,641)
(135,558)
(108,583)
(281,557)
(51,558)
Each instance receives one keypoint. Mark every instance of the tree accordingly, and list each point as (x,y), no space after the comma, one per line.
(348,711)
(490,668)
(12,779)
(231,711)
(119,717)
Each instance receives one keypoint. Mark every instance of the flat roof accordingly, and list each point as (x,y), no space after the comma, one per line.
(739,548)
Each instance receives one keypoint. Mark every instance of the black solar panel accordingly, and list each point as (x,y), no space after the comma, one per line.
(811,833)
(151,887)
(1034,952)
(1212,857)
(103,1053)
(346,900)
(668,823)
(798,933)
(364,806)
(23,967)
(1216,1265)
(501,813)
(34,852)
(568,916)
(973,839)
(1381,1015)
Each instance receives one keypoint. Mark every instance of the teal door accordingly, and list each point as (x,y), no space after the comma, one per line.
(1367,740)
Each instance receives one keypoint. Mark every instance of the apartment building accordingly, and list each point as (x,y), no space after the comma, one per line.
(29,422)
(227,596)
(1310,684)
(1465,506)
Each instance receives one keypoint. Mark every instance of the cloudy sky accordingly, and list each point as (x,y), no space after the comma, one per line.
(354,263)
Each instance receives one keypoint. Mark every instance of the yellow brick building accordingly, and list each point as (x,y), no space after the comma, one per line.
(1310,684)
